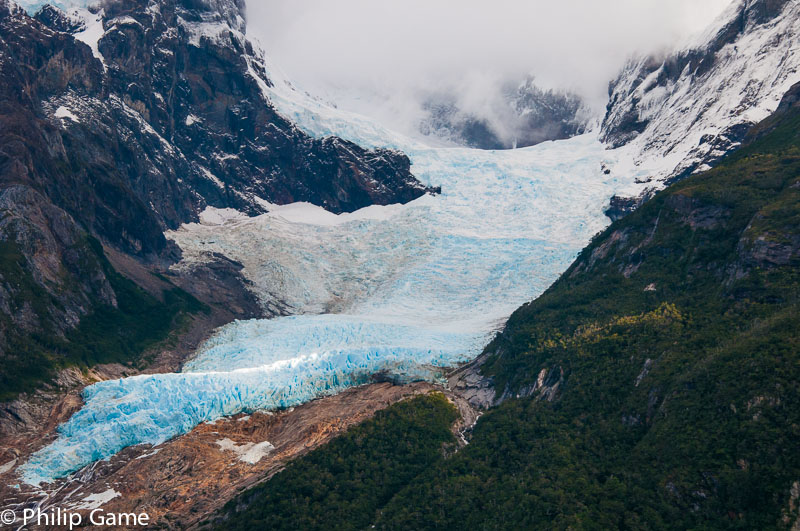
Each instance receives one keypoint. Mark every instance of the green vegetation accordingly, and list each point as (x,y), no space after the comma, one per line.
(109,334)
(677,333)
(344,485)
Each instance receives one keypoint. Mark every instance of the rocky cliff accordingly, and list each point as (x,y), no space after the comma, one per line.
(694,105)
(120,121)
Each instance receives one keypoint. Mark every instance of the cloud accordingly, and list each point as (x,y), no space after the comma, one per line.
(397,48)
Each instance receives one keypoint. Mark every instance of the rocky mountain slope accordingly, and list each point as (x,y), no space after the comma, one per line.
(691,107)
(127,119)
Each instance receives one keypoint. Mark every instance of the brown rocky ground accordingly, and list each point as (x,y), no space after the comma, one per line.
(179,483)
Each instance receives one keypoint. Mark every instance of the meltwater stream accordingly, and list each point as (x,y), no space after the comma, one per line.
(403,290)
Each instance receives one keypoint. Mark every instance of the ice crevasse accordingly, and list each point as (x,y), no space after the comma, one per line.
(404,290)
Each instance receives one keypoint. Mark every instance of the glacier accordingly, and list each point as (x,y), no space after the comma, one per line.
(404,291)
(32,6)
(248,366)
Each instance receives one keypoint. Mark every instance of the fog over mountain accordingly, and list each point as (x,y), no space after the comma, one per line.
(389,59)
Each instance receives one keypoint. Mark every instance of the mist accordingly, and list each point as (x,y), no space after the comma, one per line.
(382,58)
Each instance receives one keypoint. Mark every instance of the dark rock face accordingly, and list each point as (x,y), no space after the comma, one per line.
(220,282)
(165,117)
(57,20)
(188,70)
(73,166)
(48,279)
(619,207)
(546,114)
(623,121)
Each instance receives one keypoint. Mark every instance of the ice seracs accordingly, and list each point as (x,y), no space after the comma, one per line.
(238,372)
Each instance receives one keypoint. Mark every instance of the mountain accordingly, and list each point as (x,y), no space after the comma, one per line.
(652,387)
(684,111)
(523,115)
(122,121)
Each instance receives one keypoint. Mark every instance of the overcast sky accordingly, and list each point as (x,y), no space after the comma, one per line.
(394,48)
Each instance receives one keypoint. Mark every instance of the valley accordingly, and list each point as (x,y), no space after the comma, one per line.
(298,273)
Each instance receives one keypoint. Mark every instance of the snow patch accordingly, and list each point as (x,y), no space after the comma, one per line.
(306,213)
(94,30)
(247,452)
(124,21)
(8,466)
(213,178)
(213,217)
(62,112)
(95,501)
(149,454)
(216,32)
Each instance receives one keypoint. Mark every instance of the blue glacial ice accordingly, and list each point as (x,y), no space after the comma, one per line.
(32,6)
(404,290)
(248,366)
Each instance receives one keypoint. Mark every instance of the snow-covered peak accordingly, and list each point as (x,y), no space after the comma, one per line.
(716,28)
(682,113)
